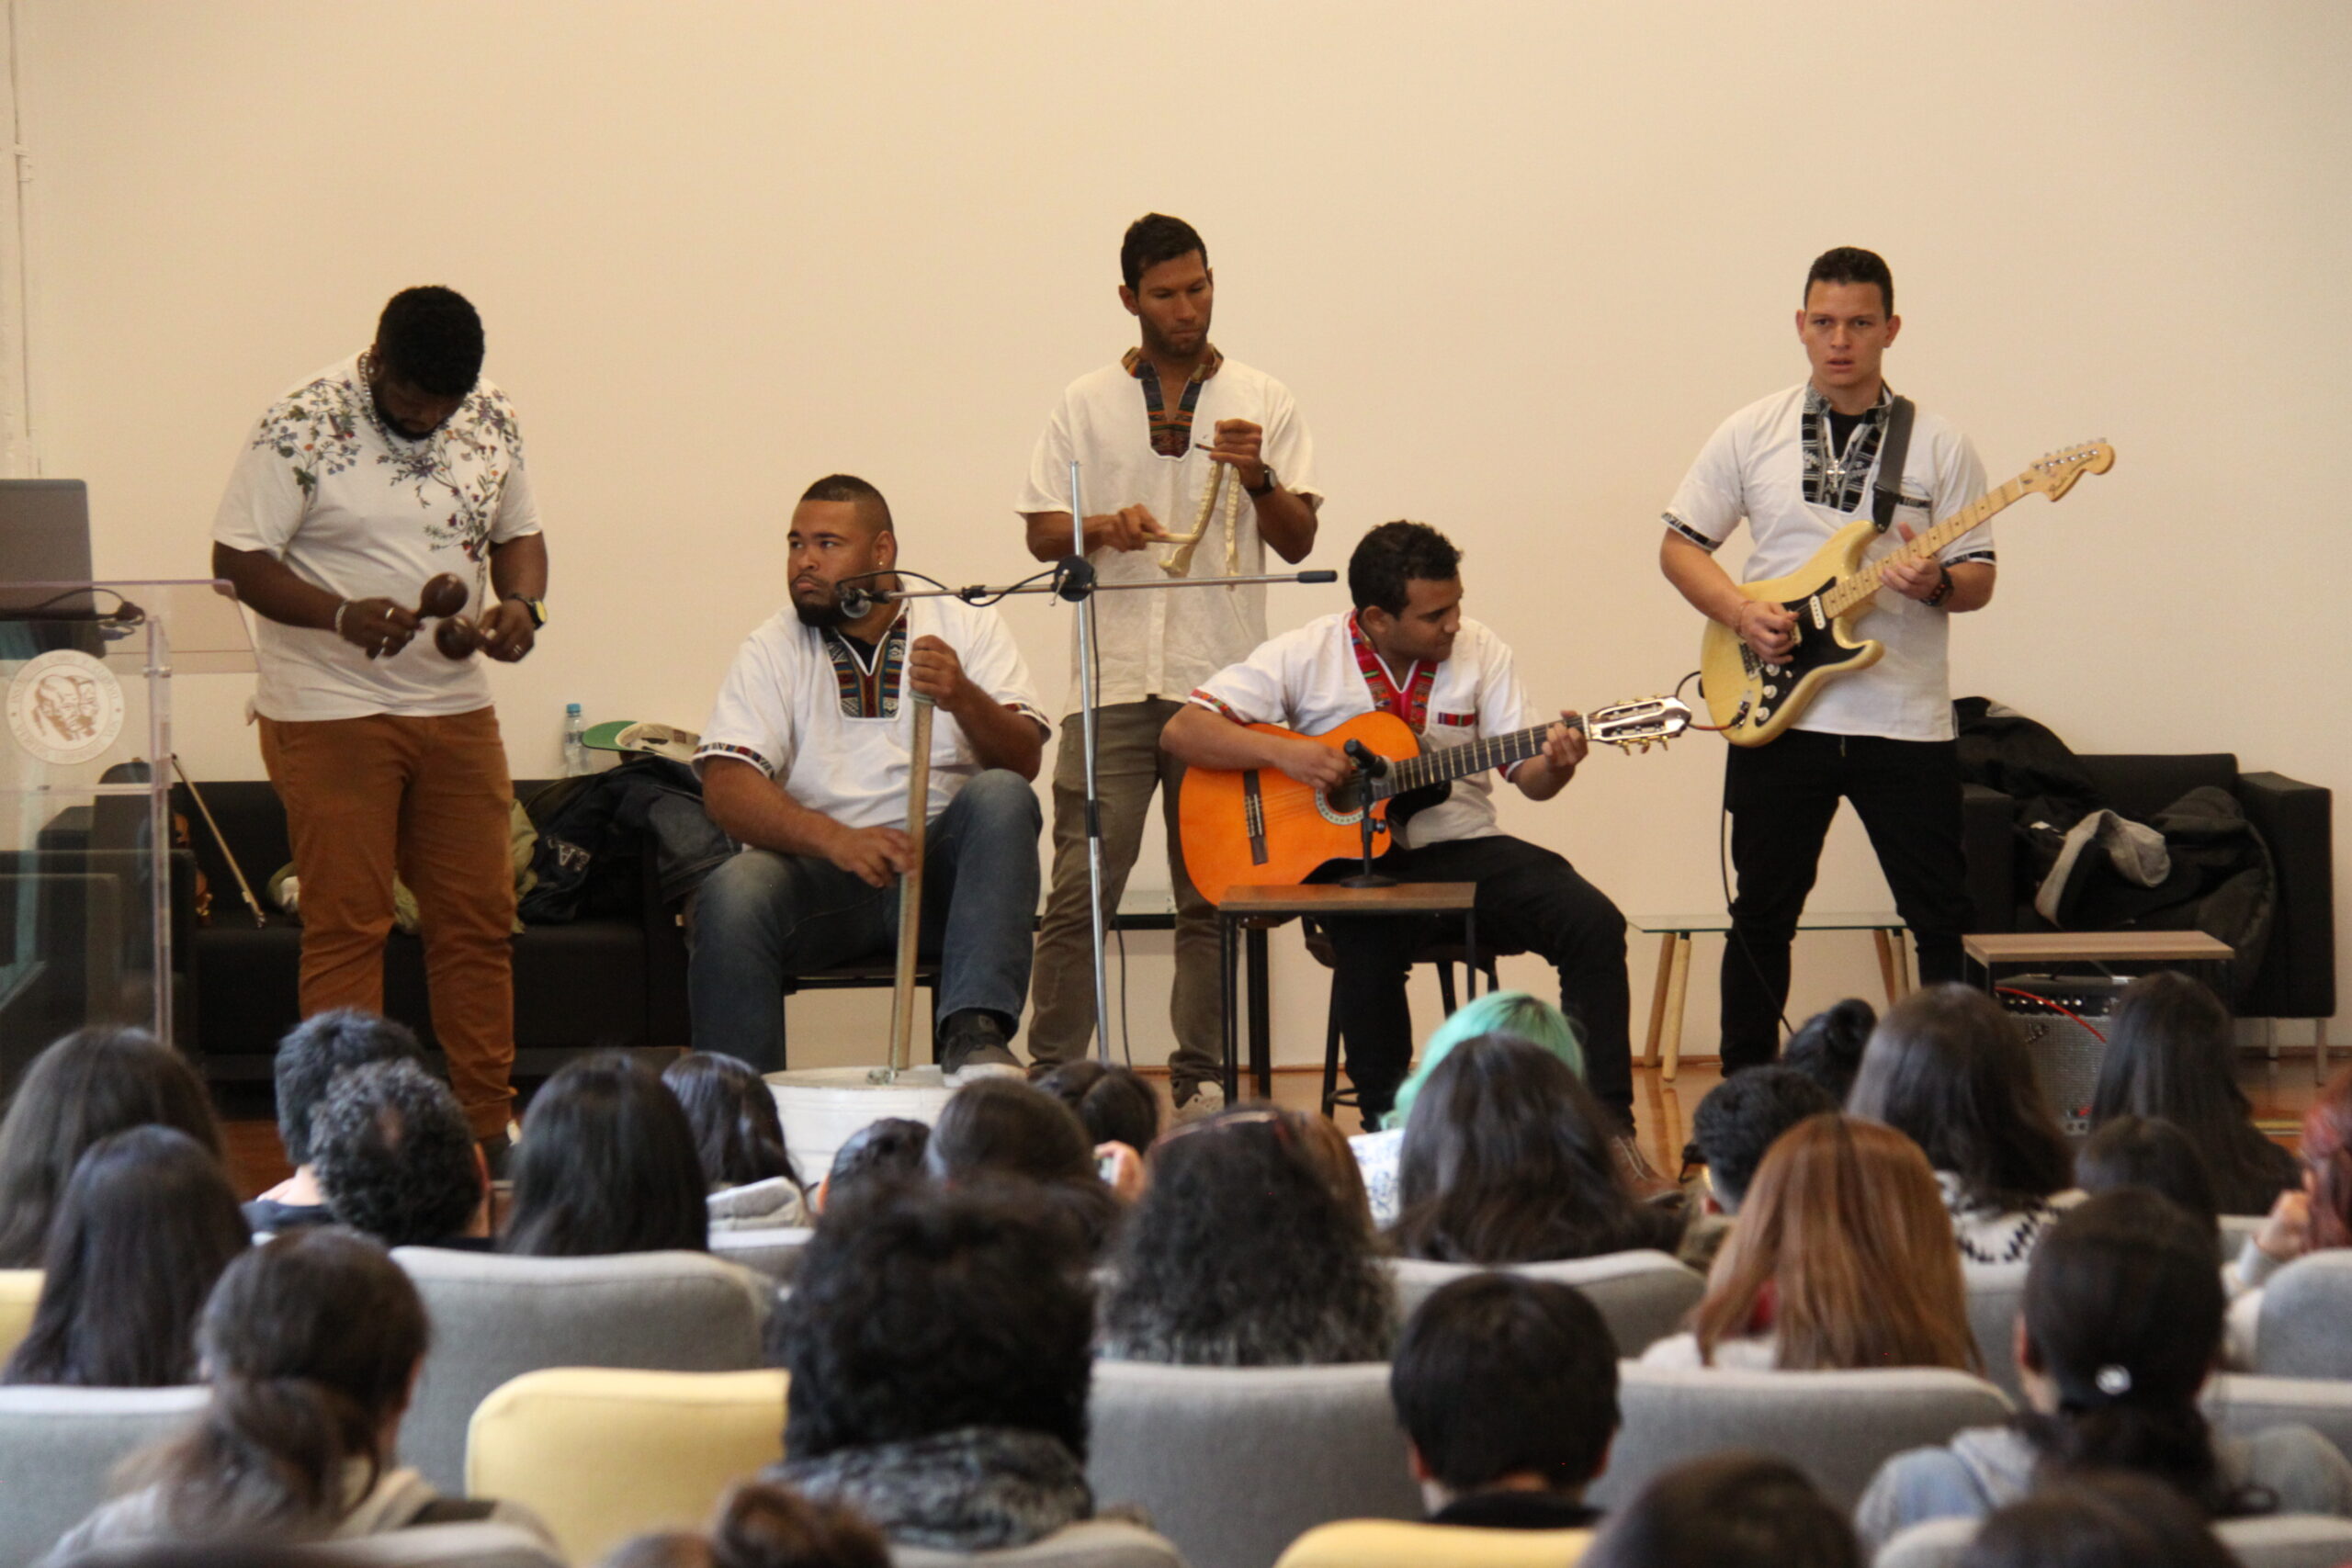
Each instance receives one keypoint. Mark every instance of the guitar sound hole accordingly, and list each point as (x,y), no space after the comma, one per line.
(1346,800)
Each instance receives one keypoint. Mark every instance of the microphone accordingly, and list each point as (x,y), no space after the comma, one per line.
(854,599)
(1318,577)
(1371,763)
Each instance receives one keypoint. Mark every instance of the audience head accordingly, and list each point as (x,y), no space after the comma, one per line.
(315,1051)
(2149,1151)
(1334,1159)
(934,1309)
(1845,1246)
(90,1083)
(606,1164)
(312,1341)
(1519,1015)
(999,1127)
(1740,1117)
(762,1526)
(395,1158)
(1114,1103)
(2105,1519)
(2171,1053)
(2121,1323)
(2327,1162)
(1950,1070)
(1499,1379)
(1240,1253)
(739,1134)
(1827,1047)
(1506,1159)
(887,1153)
(1727,1510)
(146,1224)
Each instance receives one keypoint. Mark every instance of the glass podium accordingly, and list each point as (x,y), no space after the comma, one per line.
(90,913)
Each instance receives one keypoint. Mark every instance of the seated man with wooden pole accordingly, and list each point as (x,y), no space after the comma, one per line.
(806,761)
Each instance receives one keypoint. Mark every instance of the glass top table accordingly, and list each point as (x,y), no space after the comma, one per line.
(1662,1047)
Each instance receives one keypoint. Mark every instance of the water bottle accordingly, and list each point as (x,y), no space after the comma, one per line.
(576,749)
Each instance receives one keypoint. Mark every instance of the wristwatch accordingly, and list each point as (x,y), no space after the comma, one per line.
(536,609)
(1273,481)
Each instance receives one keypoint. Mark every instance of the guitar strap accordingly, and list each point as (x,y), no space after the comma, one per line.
(1888,493)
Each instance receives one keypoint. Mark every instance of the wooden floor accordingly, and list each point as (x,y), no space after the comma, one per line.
(2280,1092)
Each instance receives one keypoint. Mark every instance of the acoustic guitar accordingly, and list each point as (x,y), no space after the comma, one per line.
(1753,700)
(1261,826)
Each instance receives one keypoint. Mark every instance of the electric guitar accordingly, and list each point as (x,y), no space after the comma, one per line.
(1754,701)
(1263,826)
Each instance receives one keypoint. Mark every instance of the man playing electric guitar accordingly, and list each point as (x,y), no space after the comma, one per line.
(1407,649)
(1798,466)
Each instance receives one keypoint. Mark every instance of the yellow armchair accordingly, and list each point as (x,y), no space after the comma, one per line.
(19,1293)
(1387,1543)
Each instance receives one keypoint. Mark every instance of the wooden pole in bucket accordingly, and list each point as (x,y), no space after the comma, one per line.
(902,988)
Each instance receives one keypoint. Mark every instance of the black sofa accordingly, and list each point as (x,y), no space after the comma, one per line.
(2297,978)
(611,981)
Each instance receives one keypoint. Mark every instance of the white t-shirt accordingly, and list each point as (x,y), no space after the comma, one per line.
(826,721)
(366,514)
(1163,644)
(1771,464)
(1326,672)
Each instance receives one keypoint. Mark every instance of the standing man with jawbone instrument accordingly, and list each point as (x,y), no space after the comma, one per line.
(1798,466)
(358,486)
(1131,424)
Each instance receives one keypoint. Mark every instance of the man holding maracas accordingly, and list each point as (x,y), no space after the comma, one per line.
(396,474)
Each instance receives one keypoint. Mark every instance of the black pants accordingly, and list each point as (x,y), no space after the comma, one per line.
(1781,796)
(1530,900)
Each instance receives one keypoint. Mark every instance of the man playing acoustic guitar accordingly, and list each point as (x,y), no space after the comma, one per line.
(1798,466)
(1408,650)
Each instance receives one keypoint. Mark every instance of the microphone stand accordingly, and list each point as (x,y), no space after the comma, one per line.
(1073,579)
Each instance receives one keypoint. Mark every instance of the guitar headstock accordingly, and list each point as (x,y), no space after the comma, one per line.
(2054,473)
(1637,725)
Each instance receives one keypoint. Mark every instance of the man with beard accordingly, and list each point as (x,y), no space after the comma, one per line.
(1153,431)
(805,763)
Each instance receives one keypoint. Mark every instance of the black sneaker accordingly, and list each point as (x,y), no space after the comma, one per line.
(972,1044)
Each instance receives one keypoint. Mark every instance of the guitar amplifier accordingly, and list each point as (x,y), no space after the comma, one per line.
(2066,1053)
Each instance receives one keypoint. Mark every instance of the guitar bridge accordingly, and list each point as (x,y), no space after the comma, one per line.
(1254,816)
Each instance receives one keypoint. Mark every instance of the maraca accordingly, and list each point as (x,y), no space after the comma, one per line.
(457,638)
(445,598)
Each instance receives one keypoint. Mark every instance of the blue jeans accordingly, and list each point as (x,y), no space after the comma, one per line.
(763,917)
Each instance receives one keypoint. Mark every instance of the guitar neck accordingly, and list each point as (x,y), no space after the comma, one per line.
(1857,590)
(1445,762)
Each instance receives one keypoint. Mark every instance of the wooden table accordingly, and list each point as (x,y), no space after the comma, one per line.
(1673,983)
(1249,911)
(1991,952)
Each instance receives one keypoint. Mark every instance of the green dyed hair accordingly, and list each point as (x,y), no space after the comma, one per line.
(1519,1014)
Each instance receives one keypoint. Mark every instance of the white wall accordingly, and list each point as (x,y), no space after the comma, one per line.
(1515,260)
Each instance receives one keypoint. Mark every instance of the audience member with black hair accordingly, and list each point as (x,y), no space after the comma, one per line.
(881,1154)
(1507,1390)
(939,1347)
(1727,1510)
(607,1165)
(1114,1102)
(309,1057)
(2149,1151)
(738,1137)
(758,1524)
(312,1342)
(397,1161)
(147,1224)
(1240,1254)
(1508,1160)
(1842,1259)
(1740,1119)
(2121,1325)
(80,1088)
(2171,1052)
(1827,1047)
(1948,1069)
(2103,1520)
(996,1127)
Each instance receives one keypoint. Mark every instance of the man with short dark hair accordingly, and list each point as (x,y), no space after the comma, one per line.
(313,1053)
(1408,649)
(1798,466)
(395,1161)
(357,487)
(1507,1390)
(805,762)
(1132,426)
(1741,1118)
